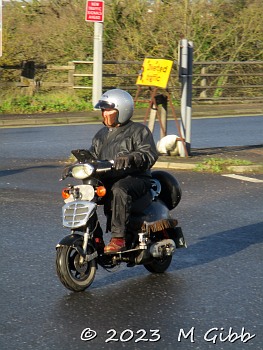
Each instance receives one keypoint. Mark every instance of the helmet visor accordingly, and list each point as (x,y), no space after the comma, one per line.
(104,105)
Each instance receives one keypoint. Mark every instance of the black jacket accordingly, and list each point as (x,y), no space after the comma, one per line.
(130,138)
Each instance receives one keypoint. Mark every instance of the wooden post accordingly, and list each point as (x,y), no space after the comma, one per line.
(28,78)
(203,83)
(152,117)
(71,73)
(162,101)
(154,111)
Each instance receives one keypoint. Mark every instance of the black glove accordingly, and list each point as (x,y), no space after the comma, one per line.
(128,161)
(123,162)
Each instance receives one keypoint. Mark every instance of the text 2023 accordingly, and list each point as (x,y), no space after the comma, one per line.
(127,335)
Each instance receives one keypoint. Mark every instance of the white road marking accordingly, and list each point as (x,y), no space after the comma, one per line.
(243,178)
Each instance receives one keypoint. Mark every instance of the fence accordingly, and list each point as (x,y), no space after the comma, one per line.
(215,81)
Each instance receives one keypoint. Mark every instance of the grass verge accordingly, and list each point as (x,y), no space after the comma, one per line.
(218,165)
(46,103)
(12,102)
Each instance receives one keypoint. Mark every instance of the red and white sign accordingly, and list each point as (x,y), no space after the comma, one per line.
(95,11)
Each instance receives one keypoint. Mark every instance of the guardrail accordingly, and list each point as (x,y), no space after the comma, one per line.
(214,80)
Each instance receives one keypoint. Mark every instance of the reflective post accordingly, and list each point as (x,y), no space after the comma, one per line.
(185,75)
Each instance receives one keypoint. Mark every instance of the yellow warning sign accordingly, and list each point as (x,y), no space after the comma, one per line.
(155,72)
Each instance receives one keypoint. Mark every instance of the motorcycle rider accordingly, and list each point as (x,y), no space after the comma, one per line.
(133,150)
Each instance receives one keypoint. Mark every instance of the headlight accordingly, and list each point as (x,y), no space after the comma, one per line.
(79,192)
(87,192)
(82,171)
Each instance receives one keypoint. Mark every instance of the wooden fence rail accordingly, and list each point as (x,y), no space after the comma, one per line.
(211,80)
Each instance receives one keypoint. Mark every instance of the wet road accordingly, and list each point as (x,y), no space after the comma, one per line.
(56,142)
(210,297)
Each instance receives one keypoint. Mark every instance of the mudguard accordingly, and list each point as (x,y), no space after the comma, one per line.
(176,234)
(69,240)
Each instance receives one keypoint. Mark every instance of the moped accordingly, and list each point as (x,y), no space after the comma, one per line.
(152,237)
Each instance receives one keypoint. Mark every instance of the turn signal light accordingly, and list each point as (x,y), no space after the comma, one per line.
(101,191)
(65,193)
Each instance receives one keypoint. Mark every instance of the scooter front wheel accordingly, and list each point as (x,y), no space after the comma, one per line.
(73,274)
(159,265)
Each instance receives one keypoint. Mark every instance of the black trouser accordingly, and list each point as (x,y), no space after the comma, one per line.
(123,193)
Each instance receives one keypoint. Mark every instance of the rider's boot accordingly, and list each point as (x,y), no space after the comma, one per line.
(117,244)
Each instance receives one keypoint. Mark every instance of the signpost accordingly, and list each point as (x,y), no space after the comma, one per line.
(155,72)
(95,13)
(0,28)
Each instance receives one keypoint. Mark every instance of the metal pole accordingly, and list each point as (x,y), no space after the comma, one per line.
(1,28)
(97,62)
(185,74)
(189,97)
(184,81)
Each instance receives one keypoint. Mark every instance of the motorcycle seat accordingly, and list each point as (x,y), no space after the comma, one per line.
(142,203)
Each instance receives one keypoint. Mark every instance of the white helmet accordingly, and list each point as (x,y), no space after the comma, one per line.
(120,100)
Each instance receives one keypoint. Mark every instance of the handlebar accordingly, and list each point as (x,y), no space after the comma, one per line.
(103,165)
(100,166)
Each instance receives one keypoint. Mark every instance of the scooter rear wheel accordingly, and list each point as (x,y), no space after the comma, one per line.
(73,275)
(159,265)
